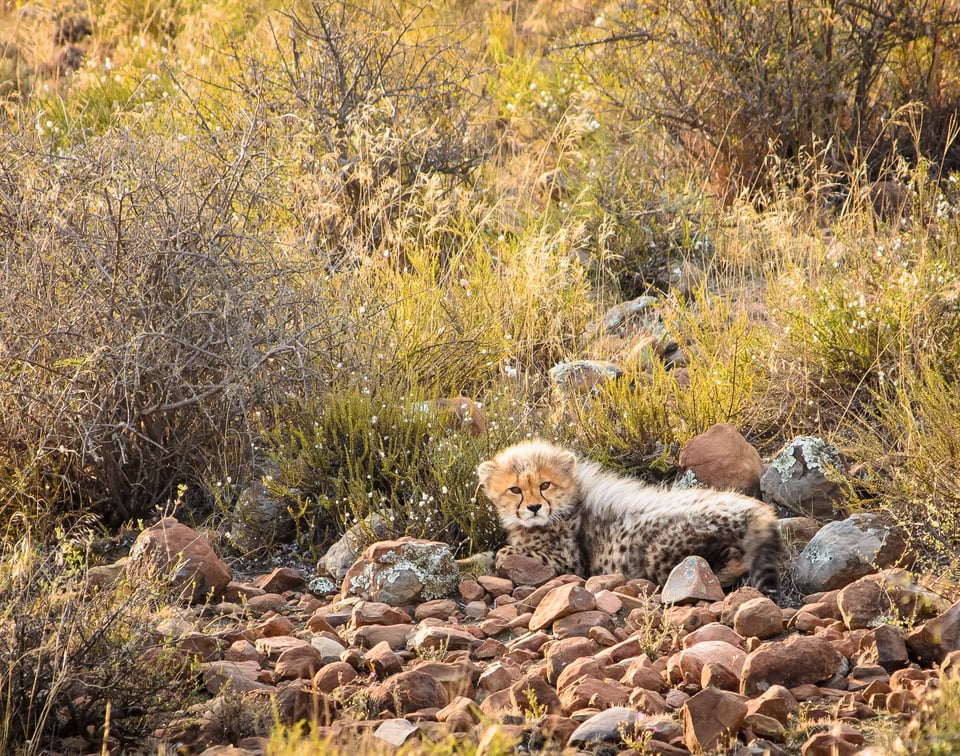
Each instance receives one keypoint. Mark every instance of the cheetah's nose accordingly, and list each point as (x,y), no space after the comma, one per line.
(534,508)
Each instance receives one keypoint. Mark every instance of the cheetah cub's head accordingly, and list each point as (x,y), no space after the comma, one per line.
(531,484)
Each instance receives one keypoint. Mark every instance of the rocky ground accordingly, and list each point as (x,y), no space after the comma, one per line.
(409,648)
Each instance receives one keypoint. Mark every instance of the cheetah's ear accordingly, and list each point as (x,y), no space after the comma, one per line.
(566,462)
(485,471)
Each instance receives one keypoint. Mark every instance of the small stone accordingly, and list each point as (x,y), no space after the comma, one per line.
(838,741)
(561,601)
(711,718)
(686,666)
(591,692)
(523,570)
(280,580)
(936,638)
(776,702)
(444,637)
(395,732)
(799,659)
(605,727)
(299,661)
(884,646)
(438,609)
(383,661)
(532,692)
(581,624)
(758,617)
(407,692)
(692,580)
(369,636)
(887,595)
(802,479)
(722,458)
(495,586)
(334,675)
(471,590)
(377,613)
(715,631)
(179,553)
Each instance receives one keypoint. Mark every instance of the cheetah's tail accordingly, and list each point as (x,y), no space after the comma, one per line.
(763,552)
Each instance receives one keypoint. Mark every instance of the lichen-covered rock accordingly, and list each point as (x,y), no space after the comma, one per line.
(846,550)
(890,595)
(345,552)
(402,572)
(579,378)
(259,520)
(803,478)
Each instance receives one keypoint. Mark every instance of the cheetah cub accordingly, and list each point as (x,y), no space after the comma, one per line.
(581,518)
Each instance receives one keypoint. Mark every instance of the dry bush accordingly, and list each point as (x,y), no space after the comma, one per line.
(740,84)
(143,322)
(381,104)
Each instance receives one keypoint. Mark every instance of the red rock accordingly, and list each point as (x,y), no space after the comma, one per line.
(333,675)
(528,598)
(759,617)
(377,613)
(532,693)
(406,692)
(581,624)
(799,659)
(722,458)
(458,678)
(686,667)
(776,702)
(266,602)
(560,602)
(625,649)
(471,590)
(280,580)
(238,677)
(934,639)
(560,653)
(496,586)
(577,669)
(712,632)
(691,580)
(382,661)
(891,592)
(840,740)
(608,602)
(714,675)
(641,674)
(498,676)
(591,692)
(298,700)
(444,637)
(884,646)
(523,570)
(299,661)
(762,726)
(711,719)
(369,636)
(734,600)
(597,583)
(180,553)
(437,608)
(318,623)
(243,650)
(274,627)
(689,618)
(497,703)
(273,646)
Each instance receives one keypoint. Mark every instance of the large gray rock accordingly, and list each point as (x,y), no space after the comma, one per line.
(345,552)
(259,520)
(846,550)
(803,479)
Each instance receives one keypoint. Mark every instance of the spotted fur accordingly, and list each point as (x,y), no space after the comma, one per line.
(579,517)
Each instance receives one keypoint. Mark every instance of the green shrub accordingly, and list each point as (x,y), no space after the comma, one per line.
(364,449)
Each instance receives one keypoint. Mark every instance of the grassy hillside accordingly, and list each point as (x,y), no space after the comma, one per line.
(246,240)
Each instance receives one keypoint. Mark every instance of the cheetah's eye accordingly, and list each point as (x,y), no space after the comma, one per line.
(514,490)
(545,485)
